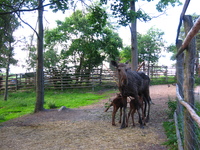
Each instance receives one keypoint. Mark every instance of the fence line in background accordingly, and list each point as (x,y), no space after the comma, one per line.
(62,80)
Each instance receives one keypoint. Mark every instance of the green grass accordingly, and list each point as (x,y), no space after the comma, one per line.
(21,103)
(163,80)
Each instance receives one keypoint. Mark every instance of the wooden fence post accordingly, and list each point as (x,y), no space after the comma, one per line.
(16,81)
(179,77)
(189,64)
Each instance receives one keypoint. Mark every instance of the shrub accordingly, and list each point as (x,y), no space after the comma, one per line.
(172,107)
(51,105)
(169,126)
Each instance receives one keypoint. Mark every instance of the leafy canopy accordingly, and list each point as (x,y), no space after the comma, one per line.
(85,39)
(149,46)
(124,13)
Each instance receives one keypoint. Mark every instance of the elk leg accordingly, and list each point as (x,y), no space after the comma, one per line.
(123,124)
(132,115)
(149,105)
(138,106)
(120,117)
(113,114)
(129,113)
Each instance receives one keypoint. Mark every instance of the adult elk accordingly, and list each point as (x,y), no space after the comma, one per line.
(130,84)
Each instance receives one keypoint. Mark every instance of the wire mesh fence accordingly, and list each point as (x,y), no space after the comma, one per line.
(188,107)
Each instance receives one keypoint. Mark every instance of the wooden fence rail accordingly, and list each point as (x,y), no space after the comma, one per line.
(186,81)
(188,107)
(61,80)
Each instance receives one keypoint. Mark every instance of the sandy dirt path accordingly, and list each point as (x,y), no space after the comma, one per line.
(88,128)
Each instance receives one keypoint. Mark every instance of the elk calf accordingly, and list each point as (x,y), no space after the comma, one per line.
(116,103)
(133,108)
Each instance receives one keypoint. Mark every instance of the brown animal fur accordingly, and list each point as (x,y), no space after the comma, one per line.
(130,83)
(133,108)
(116,103)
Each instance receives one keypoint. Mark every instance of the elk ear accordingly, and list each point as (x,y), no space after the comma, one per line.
(114,63)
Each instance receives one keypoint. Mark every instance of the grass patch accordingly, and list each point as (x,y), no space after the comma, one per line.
(163,80)
(21,103)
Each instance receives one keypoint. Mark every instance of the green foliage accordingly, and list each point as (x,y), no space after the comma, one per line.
(170,131)
(97,18)
(169,126)
(8,24)
(125,54)
(60,5)
(172,48)
(150,45)
(162,4)
(172,107)
(85,38)
(51,104)
(197,80)
(121,9)
(21,103)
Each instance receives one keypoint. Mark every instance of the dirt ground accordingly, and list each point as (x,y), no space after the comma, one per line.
(88,128)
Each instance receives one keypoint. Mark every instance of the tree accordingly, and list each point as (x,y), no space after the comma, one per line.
(149,45)
(127,14)
(55,5)
(8,24)
(39,68)
(17,6)
(87,45)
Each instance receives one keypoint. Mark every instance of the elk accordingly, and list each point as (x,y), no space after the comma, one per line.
(130,84)
(116,103)
(133,107)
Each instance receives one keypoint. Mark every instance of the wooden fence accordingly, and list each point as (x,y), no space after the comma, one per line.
(59,80)
(189,120)
(70,79)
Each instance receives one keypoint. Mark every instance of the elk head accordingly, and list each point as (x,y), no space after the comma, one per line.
(122,72)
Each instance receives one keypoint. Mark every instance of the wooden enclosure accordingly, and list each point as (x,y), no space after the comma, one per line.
(61,80)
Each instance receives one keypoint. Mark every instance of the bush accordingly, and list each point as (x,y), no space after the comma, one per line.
(169,126)
(172,107)
(170,131)
(51,105)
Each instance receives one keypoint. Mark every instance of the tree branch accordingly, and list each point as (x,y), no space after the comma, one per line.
(19,10)
(27,24)
(181,18)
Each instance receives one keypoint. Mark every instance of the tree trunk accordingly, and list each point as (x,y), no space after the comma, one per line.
(7,72)
(39,69)
(134,50)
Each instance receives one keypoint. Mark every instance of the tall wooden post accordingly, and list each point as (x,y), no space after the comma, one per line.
(134,49)
(180,79)
(189,63)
